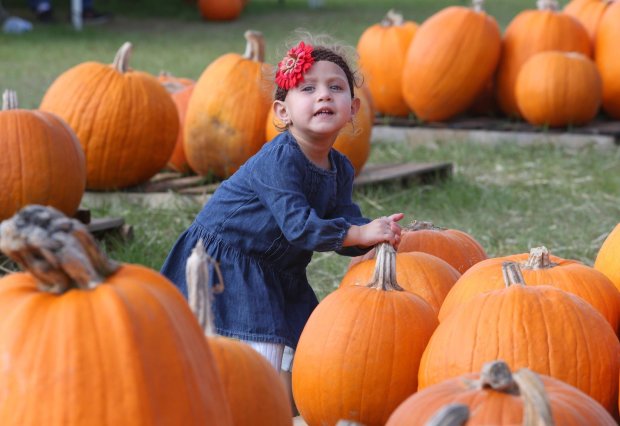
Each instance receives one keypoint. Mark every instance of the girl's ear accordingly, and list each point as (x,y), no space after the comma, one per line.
(355,106)
(280,111)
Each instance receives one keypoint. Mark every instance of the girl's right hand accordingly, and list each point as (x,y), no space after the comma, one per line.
(383,229)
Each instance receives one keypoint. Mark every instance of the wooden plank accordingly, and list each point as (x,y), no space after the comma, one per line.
(171,184)
(380,173)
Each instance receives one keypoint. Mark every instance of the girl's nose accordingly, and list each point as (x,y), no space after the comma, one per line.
(324,94)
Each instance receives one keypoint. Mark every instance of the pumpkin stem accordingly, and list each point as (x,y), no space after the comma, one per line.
(497,376)
(57,250)
(512,274)
(9,100)
(537,411)
(121,60)
(199,286)
(392,19)
(384,277)
(455,414)
(255,47)
(547,5)
(421,225)
(477,5)
(171,84)
(538,259)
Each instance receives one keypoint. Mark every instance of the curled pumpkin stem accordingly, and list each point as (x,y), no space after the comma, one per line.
(57,250)
(121,60)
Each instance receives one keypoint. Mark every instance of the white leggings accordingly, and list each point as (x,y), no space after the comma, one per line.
(278,355)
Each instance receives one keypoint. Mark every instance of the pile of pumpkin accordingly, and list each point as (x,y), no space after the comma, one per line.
(433,332)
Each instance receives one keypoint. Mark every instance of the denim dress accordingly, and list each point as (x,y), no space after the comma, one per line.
(262,225)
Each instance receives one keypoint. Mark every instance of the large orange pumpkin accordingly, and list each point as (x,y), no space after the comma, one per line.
(449,62)
(353,140)
(86,341)
(255,392)
(588,12)
(539,268)
(542,328)
(608,257)
(220,10)
(456,247)
(426,275)
(226,115)
(530,32)
(558,89)
(357,358)
(608,60)
(124,119)
(42,161)
(381,49)
(497,396)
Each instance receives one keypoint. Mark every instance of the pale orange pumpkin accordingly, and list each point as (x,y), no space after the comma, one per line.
(255,392)
(539,267)
(220,10)
(42,161)
(87,341)
(545,329)
(608,257)
(357,357)
(125,120)
(220,135)
(449,62)
(588,12)
(530,32)
(426,275)
(497,396)
(558,89)
(608,60)
(381,49)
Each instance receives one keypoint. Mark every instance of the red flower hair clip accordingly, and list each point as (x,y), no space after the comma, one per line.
(291,69)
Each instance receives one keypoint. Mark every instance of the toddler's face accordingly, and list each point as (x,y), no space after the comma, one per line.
(321,105)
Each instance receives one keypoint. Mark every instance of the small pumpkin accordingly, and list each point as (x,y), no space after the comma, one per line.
(88,341)
(220,10)
(42,161)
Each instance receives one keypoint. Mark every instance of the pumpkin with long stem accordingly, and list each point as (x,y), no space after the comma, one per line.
(357,357)
(497,396)
(539,327)
(255,392)
(88,341)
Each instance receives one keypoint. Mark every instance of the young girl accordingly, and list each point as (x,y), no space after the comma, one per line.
(290,199)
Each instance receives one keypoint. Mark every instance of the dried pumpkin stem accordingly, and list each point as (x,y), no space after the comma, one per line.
(454,414)
(9,100)
(477,5)
(199,286)
(392,19)
(384,277)
(547,5)
(255,47)
(57,250)
(512,274)
(421,225)
(121,60)
(538,259)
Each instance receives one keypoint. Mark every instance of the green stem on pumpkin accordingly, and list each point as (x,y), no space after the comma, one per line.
(538,259)
(512,274)
(392,19)
(199,286)
(255,46)
(384,277)
(121,60)
(455,414)
(58,251)
(9,100)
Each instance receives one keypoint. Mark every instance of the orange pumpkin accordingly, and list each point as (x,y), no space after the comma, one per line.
(558,89)
(542,328)
(456,247)
(255,392)
(539,268)
(353,141)
(180,90)
(381,49)
(608,257)
(87,341)
(500,397)
(124,119)
(588,12)
(220,135)
(426,275)
(357,357)
(452,57)
(530,32)
(220,10)
(42,161)
(608,60)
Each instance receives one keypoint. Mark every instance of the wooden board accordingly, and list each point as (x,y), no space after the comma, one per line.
(402,172)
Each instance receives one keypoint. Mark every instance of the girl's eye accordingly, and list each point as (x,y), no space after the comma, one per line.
(336,87)
(307,88)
